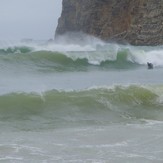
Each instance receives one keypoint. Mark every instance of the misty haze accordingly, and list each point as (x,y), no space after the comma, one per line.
(81,82)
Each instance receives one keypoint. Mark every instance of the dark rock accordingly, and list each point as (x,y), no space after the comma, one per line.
(138,22)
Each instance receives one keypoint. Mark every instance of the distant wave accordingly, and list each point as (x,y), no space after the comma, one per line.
(57,57)
(68,61)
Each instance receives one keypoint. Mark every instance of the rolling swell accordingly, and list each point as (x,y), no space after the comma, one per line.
(96,105)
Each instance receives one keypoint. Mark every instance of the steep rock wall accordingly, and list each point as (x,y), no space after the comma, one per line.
(139,22)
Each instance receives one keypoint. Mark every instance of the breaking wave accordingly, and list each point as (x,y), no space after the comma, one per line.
(77,57)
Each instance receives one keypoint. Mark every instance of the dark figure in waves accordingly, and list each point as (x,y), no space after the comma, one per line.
(150,65)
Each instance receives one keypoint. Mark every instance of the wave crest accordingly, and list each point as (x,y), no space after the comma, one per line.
(75,57)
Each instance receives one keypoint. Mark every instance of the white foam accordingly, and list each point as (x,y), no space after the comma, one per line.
(105,51)
(101,51)
(142,56)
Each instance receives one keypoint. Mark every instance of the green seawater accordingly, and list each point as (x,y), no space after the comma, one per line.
(80,103)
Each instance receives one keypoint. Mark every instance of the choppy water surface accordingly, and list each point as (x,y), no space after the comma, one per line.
(93,102)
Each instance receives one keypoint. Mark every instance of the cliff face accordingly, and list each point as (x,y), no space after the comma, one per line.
(139,22)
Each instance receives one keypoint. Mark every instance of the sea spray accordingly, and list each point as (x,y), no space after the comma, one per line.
(95,54)
(88,102)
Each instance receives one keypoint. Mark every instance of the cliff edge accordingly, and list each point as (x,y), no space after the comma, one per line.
(138,22)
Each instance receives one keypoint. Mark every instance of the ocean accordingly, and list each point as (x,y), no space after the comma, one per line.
(92,102)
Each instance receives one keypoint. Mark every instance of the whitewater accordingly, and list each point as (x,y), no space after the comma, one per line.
(80,102)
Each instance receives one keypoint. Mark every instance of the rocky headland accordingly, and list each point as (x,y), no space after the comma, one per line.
(138,22)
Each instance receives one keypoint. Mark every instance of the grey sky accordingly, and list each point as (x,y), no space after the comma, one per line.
(35,19)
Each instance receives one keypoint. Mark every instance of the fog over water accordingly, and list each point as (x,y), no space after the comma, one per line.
(73,102)
(35,19)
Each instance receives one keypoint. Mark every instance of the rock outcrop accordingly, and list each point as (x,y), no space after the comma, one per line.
(138,22)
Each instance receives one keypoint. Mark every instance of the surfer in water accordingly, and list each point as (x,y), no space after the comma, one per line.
(150,65)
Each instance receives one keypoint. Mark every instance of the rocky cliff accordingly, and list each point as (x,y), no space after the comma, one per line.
(138,22)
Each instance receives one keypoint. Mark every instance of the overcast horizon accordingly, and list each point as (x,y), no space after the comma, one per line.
(28,19)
